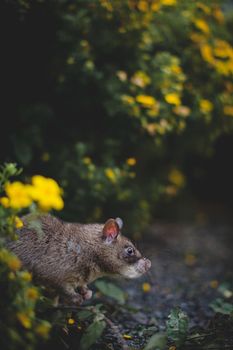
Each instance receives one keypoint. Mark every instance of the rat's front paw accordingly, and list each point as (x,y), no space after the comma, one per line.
(86,293)
(72,300)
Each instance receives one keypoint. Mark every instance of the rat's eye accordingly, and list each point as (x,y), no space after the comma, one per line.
(130,251)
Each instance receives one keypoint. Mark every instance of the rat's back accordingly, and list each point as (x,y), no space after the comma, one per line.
(42,247)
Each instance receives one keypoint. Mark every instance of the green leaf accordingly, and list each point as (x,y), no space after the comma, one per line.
(83,315)
(219,305)
(92,333)
(225,290)
(158,341)
(110,290)
(177,326)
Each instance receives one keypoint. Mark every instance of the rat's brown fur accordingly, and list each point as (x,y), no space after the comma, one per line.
(67,256)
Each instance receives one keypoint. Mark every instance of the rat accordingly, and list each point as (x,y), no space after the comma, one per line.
(68,256)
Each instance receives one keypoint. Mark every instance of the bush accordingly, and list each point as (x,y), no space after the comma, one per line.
(123,92)
(20,325)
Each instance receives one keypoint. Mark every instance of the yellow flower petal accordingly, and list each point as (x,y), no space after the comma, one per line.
(18,222)
(176,177)
(5,202)
(18,195)
(214,284)
(71,321)
(32,293)
(228,110)
(202,26)
(146,101)
(110,174)
(43,329)
(206,106)
(24,320)
(146,287)
(14,263)
(127,336)
(26,276)
(190,259)
(173,98)
(131,161)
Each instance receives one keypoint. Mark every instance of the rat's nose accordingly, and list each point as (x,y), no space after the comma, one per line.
(143,265)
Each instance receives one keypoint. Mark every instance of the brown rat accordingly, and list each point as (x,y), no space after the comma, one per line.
(68,256)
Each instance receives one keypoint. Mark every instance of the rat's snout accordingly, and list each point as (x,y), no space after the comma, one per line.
(144,265)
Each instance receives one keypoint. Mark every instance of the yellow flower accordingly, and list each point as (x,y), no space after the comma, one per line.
(176,177)
(214,284)
(182,111)
(87,160)
(43,329)
(228,110)
(206,106)
(190,259)
(24,320)
(110,174)
(197,38)
(11,276)
(132,175)
(70,60)
(14,263)
(173,98)
(47,192)
(122,75)
(153,111)
(32,293)
(107,5)
(204,8)
(71,321)
(176,69)
(18,195)
(168,2)
(202,26)
(127,99)
(127,336)
(5,202)
(18,222)
(146,287)
(140,79)
(143,5)
(146,101)
(131,161)
(26,276)
(218,15)
(206,52)
(155,6)
(45,157)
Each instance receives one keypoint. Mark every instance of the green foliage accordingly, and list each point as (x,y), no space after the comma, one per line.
(177,326)
(7,171)
(92,334)
(111,290)
(19,325)
(158,341)
(222,307)
(150,81)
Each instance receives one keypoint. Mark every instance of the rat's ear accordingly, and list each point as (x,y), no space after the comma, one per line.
(119,223)
(111,230)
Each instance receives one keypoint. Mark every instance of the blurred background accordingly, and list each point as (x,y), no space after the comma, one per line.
(127,104)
